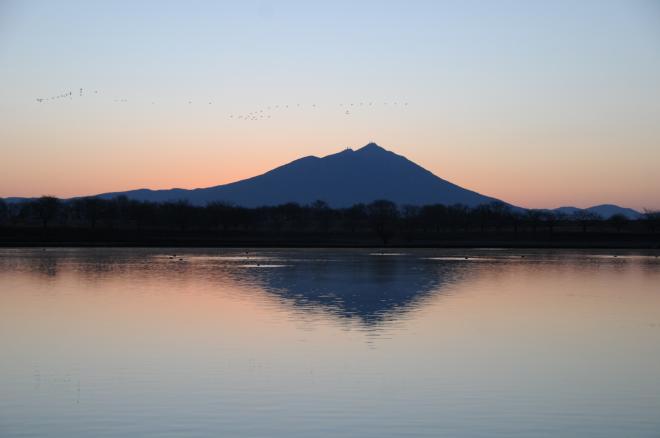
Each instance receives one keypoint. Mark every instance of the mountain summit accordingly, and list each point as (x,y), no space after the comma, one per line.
(341,179)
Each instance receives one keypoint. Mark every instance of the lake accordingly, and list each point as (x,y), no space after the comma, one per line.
(329,343)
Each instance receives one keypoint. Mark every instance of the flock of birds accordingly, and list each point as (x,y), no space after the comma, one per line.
(68,94)
(346,108)
(263,113)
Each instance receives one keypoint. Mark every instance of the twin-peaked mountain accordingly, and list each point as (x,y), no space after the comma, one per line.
(342,179)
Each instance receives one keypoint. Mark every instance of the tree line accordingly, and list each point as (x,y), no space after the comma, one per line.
(382,218)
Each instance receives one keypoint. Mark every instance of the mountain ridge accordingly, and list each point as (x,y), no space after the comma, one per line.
(341,179)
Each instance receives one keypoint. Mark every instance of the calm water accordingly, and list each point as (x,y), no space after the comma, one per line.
(320,343)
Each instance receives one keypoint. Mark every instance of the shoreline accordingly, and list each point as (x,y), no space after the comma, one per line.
(194,238)
(321,245)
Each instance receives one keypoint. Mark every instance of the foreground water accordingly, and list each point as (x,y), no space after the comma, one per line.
(315,343)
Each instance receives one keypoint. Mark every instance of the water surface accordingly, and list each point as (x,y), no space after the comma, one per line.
(328,343)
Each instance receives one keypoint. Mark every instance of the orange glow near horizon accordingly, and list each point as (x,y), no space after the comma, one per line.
(539,105)
(132,167)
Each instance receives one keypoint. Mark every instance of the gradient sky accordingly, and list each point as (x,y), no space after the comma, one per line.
(538,103)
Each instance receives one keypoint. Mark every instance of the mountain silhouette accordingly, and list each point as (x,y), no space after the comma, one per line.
(605,211)
(342,179)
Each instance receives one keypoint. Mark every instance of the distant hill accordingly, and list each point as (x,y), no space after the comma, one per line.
(342,179)
(14,199)
(605,211)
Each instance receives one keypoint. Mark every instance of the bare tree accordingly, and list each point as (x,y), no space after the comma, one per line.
(47,208)
(585,218)
(550,219)
(618,221)
(355,216)
(89,209)
(4,211)
(383,216)
(652,219)
(410,220)
(322,214)
(182,212)
(533,218)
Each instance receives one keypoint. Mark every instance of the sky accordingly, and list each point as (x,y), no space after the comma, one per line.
(540,104)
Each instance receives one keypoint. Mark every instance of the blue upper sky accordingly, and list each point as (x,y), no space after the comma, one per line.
(538,103)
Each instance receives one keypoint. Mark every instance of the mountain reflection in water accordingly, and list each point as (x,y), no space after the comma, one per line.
(359,285)
(371,288)
(297,343)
